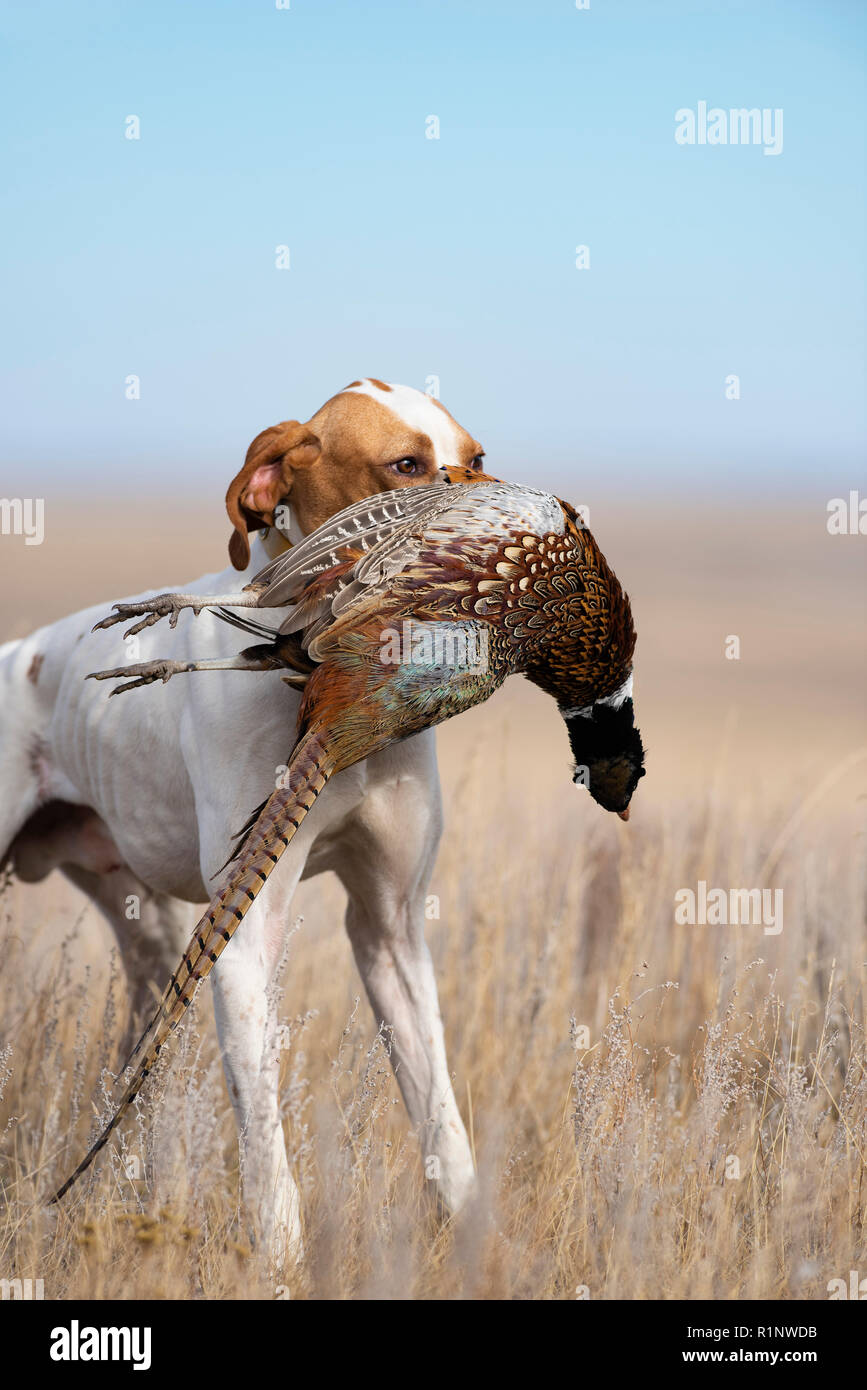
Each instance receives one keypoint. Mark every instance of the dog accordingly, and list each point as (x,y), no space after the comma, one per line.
(139,798)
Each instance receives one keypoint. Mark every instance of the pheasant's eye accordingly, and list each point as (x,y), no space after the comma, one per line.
(405,466)
(476,463)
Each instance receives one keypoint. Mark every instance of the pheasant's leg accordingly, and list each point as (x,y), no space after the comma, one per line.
(170,606)
(385,861)
(149,671)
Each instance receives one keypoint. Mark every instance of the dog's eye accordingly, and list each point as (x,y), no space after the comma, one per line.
(476,463)
(405,466)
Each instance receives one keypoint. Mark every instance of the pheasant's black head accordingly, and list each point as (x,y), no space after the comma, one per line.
(608,752)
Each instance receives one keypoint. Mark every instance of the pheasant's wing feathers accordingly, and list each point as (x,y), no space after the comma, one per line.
(317,597)
(391,530)
(471,513)
(362,526)
(373,572)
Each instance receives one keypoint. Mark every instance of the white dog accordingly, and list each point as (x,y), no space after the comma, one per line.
(142,795)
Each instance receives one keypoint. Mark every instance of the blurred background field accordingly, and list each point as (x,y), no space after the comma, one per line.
(603,1163)
(699,384)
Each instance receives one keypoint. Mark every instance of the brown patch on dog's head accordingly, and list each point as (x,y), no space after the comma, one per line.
(35,667)
(376,437)
(369,438)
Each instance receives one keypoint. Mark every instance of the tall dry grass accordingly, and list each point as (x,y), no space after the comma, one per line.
(708,1140)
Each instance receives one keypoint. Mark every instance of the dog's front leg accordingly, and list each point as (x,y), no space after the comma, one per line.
(249,1043)
(386,859)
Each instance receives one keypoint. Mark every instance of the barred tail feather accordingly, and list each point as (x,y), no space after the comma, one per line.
(281,816)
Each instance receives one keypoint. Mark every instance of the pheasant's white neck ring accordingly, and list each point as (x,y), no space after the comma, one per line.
(620,696)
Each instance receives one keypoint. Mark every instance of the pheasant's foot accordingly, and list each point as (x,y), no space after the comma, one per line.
(146,672)
(151,610)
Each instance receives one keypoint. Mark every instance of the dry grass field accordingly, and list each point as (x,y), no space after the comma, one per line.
(657,1110)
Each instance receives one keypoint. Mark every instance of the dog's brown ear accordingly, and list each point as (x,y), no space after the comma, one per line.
(265,480)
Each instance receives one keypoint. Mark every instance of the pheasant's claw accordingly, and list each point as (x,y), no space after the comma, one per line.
(124,611)
(147,672)
(145,622)
(116,673)
(150,611)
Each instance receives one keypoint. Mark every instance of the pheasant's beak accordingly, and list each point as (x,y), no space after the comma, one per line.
(624,815)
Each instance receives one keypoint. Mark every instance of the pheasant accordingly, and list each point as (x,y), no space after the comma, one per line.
(401,612)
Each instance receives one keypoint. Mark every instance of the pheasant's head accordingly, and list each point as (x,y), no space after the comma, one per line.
(607,747)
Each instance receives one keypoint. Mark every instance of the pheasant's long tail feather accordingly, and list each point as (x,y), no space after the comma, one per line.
(282,814)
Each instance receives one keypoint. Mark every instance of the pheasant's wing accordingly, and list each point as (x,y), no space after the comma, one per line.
(379,534)
(468,516)
(314,571)
(457,523)
(360,527)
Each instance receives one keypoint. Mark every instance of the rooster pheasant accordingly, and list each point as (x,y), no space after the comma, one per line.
(399,613)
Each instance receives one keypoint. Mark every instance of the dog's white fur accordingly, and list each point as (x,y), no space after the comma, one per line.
(158,781)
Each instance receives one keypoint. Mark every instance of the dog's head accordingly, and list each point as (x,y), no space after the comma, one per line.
(367,439)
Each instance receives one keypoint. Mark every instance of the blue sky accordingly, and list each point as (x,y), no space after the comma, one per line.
(454,257)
